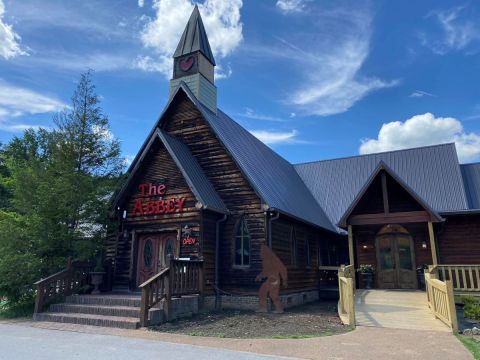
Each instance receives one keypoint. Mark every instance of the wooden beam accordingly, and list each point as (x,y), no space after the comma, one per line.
(351,251)
(433,246)
(397,217)
(386,207)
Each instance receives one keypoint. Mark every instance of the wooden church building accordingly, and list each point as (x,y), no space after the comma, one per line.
(203,188)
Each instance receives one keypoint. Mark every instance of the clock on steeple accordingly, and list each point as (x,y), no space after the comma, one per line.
(193,62)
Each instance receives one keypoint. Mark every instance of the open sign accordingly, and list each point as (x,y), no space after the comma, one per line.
(189,240)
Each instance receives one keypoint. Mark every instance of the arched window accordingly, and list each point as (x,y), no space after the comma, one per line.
(293,244)
(242,244)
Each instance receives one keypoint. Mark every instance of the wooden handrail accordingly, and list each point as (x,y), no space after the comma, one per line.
(465,278)
(181,277)
(441,299)
(61,284)
(346,303)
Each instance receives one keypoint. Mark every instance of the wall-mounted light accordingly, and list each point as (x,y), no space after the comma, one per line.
(424,245)
(365,246)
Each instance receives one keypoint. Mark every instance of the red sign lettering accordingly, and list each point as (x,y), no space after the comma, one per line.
(189,240)
(153,207)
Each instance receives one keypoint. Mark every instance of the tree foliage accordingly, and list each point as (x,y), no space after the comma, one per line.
(55,186)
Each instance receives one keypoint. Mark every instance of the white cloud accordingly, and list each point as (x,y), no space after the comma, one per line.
(291,6)
(17,101)
(141,3)
(420,93)
(276,137)
(162,33)
(9,40)
(458,31)
(325,62)
(422,130)
(252,114)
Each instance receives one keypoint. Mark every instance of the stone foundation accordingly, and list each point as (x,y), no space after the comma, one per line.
(251,302)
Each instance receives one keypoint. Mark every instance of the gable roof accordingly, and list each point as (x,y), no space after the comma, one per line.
(471,180)
(272,177)
(382,166)
(189,167)
(194,38)
(432,172)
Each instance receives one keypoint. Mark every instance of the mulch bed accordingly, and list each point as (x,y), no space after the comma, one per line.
(316,319)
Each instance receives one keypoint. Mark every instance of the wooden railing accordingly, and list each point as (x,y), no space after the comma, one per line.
(179,278)
(63,283)
(464,277)
(346,304)
(440,299)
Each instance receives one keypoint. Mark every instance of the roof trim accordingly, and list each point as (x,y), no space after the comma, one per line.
(159,134)
(383,166)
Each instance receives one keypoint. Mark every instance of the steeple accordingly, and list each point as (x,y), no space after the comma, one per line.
(194,38)
(193,62)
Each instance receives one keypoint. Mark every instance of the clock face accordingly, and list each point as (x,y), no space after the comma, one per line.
(186,63)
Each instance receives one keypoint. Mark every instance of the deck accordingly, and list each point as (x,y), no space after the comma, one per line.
(395,309)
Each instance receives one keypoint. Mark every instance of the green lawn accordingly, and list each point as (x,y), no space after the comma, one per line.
(471,344)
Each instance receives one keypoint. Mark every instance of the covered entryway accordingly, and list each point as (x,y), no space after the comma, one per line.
(395,258)
(395,309)
(152,254)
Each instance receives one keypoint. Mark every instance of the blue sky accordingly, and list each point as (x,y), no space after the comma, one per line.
(312,79)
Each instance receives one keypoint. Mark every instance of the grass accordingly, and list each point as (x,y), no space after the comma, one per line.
(471,344)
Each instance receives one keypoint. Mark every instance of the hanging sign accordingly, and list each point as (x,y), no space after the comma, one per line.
(189,240)
(154,207)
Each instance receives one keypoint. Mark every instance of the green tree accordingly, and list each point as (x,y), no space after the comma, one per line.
(58,183)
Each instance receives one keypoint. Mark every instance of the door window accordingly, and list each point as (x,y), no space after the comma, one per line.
(404,253)
(385,253)
(169,248)
(148,253)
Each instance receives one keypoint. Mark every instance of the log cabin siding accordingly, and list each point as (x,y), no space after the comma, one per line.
(187,124)
(300,275)
(209,220)
(459,240)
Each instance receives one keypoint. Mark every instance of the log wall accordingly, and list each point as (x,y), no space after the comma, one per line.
(459,240)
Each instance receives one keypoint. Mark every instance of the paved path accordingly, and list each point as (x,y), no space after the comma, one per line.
(21,343)
(395,309)
(364,343)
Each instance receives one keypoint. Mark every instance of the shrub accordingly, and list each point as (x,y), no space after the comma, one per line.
(472,311)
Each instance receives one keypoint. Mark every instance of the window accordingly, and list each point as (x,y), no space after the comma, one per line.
(307,252)
(242,244)
(293,244)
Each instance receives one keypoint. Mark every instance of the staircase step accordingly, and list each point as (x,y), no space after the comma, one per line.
(105,300)
(120,311)
(87,319)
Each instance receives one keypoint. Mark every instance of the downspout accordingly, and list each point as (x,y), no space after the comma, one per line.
(270,219)
(217,260)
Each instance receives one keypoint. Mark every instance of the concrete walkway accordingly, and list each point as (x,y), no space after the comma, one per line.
(396,309)
(364,343)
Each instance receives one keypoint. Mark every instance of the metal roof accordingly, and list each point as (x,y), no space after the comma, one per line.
(471,180)
(193,173)
(189,167)
(433,172)
(272,177)
(194,38)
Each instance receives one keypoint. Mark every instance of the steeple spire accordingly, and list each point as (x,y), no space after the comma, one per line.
(193,63)
(194,38)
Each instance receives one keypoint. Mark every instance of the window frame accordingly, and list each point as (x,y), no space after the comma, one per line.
(242,224)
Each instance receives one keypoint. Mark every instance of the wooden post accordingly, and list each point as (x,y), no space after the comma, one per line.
(168,293)
(351,252)
(144,307)
(433,246)
(201,283)
(451,306)
(39,299)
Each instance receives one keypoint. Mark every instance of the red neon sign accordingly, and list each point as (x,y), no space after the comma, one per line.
(154,207)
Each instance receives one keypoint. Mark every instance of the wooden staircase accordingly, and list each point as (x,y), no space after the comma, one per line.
(120,311)
(174,292)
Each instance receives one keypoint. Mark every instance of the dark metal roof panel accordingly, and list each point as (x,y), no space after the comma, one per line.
(432,172)
(194,38)
(272,177)
(193,173)
(471,180)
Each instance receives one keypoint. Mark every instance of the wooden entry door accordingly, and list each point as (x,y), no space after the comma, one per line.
(153,251)
(395,259)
